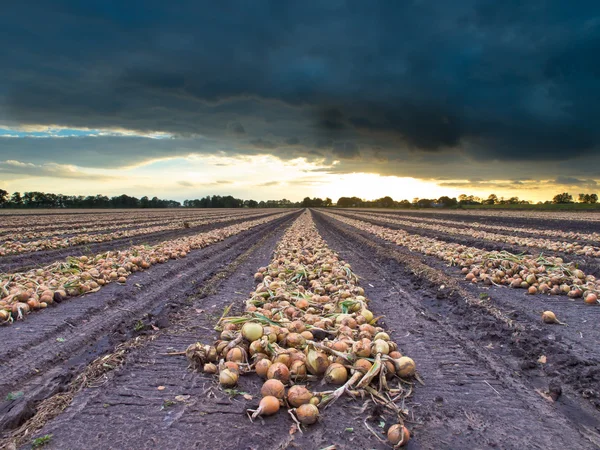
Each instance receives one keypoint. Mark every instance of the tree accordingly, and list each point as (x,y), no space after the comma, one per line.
(447,201)
(565,197)
(16,200)
(3,197)
(588,198)
(327,202)
(491,200)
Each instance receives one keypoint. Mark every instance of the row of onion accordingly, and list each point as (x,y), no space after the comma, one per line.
(36,289)
(31,233)
(522,241)
(537,274)
(569,235)
(18,247)
(308,322)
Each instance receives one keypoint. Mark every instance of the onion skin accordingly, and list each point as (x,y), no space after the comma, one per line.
(307,414)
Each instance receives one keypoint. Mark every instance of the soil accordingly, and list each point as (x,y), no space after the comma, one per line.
(25,261)
(483,384)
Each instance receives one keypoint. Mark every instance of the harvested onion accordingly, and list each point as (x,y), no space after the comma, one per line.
(274,388)
(307,414)
(228,378)
(268,406)
(252,331)
(298,395)
(398,435)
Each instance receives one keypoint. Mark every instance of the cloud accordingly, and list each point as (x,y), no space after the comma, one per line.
(51,170)
(431,90)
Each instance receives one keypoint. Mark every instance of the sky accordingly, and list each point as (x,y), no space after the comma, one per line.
(287,99)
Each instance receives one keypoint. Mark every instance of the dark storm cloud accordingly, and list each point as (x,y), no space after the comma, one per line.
(469,81)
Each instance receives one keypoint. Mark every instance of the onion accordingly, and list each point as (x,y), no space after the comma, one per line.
(382,335)
(210,368)
(298,395)
(363,365)
(233,366)
(380,346)
(268,405)
(295,340)
(336,374)
(368,315)
(279,371)
(591,299)
(315,401)
(550,317)
(228,378)
(273,388)
(406,367)
(252,331)
(398,435)
(316,362)
(236,354)
(298,370)
(307,414)
(262,367)
(283,358)
(362,348)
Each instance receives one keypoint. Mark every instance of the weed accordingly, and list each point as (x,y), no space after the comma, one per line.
(41,441)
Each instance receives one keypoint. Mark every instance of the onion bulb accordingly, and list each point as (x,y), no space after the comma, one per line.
(316,362)
(274,388)
(268,405)
(262,367)
(210,368)
(362,365)
(406,367)
(298,395)
(550,317)
(398,435)
(307,414)
(228,378)
(336,374)
(252,331)
(298,370)
(279,371)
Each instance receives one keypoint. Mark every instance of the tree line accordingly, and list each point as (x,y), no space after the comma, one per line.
(48,200)
(36,199)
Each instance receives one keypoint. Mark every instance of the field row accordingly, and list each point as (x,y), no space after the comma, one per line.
(41,224)
(20,247)
(536,274)
(23,292)
(553,216)
(593,237)
(523,241)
